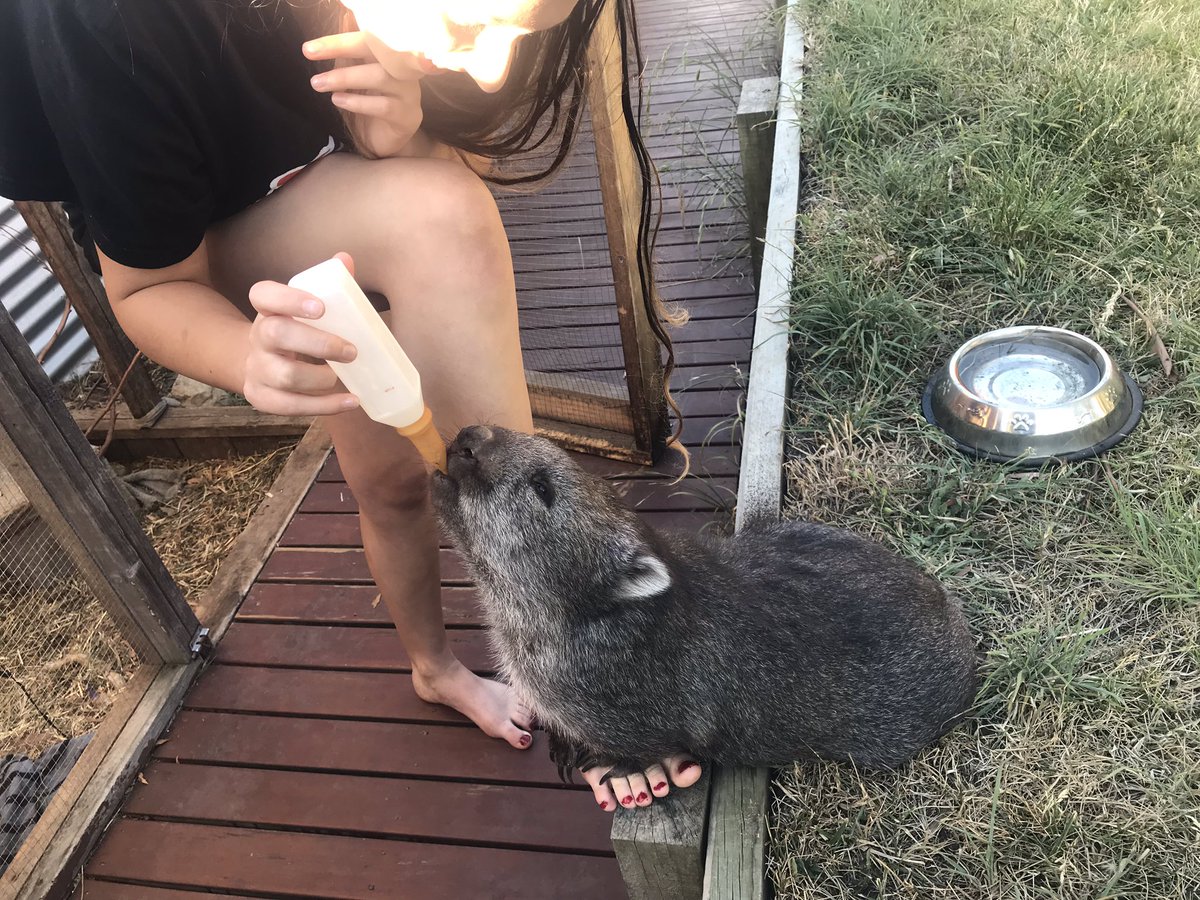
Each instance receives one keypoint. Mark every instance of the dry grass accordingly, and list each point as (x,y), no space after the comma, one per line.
(55,637)
(979,165)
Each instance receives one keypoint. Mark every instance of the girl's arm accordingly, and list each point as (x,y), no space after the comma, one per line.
(176,317)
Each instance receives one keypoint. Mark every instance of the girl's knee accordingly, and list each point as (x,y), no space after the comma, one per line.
(388,489)
(445,204)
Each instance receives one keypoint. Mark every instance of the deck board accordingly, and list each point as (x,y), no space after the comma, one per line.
(303,764)
(333,867)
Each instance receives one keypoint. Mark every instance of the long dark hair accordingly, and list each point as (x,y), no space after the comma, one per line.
(536,115)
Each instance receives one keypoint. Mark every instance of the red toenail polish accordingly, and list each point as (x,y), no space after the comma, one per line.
(661,786)
(627,801)
(642,798)
(683,767)
(525,740)
(604,804)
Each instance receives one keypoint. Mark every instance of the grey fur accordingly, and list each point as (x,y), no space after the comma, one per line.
(785,642)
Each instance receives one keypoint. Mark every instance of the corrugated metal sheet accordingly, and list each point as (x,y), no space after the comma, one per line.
(35,301)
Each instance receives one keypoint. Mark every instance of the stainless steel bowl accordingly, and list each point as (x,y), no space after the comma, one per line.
(1035,393)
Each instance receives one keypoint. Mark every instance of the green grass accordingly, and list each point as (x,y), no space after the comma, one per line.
(974,165)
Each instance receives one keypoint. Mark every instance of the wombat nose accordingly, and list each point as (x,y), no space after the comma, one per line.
(470,441)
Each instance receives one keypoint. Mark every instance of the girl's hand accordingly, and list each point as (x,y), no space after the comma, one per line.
(286,372)
(378,86)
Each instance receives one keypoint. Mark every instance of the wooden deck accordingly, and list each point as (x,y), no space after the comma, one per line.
(303,765)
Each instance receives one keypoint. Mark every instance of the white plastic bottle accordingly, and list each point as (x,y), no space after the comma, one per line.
(381,376)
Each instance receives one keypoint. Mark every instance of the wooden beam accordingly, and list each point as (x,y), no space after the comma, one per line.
(594,441)
(249,552)
(735,861)
(198,423)
(86,293)
(621,190)
(760,487)
(78,499)
(661,848)
(756,143)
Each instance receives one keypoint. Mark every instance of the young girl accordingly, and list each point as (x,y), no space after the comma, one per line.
(197,145)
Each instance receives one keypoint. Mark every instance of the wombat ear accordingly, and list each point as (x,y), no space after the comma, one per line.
(647,576)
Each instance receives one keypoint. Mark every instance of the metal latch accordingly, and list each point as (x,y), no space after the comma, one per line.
(201,645)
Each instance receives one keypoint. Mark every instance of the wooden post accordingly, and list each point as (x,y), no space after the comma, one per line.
(756,142)
(661,848)
(78,499)
(735,861)
(86,293)
(621,192)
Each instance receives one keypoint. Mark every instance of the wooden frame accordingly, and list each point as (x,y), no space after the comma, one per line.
(597,420)
(735,861)
(86,294)
(78,499)
(621,192)
(48,862)
(659,848)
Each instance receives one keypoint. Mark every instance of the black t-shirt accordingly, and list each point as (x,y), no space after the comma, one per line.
(157,118)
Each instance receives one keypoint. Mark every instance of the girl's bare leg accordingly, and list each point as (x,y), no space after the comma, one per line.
(426,234)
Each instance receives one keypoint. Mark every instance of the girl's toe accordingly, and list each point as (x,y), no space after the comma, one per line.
(684,770)
(656,777)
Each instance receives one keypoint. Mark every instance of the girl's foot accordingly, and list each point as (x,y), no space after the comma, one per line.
(492,706)
(641,789)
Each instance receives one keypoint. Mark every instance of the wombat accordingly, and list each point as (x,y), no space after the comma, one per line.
(785,642)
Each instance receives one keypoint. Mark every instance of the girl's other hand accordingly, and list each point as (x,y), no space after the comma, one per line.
(286,370)
(379,87)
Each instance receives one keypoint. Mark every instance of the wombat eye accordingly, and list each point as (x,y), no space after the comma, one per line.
(542,486)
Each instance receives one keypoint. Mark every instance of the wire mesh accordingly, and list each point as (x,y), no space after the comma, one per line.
(570,333)
(62,663)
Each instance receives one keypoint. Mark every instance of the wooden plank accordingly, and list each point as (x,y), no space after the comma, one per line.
(449,752)
(736,854)
(111,890)
(445,812)
(335,867)
(245,558)
(756,141)
(204,422)
(607,359)
(329,604)
(642,495)
(596,441)
(341,530)
(79,500)
(705,460)
(736,857)
(686,290)
(553,333)
(341,566)
(621,187)
(337,647)
(87,297)
(661,848)
(56,869)
(378,696)
(766,400)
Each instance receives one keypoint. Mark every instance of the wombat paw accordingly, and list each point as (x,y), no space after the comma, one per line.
(620,770)
(568,757)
